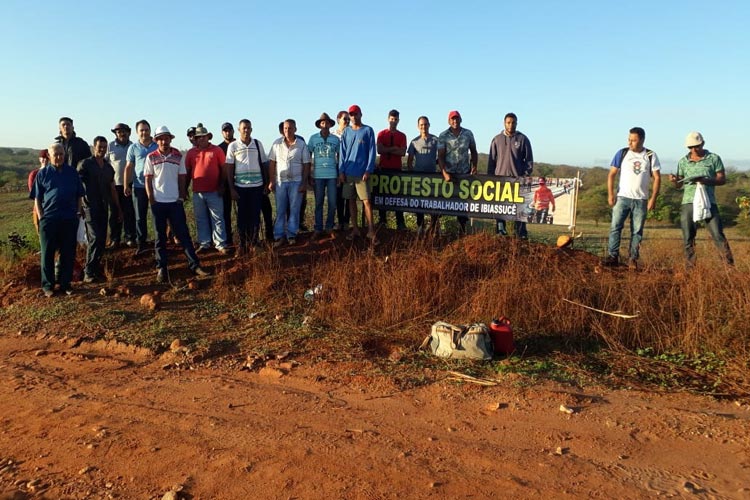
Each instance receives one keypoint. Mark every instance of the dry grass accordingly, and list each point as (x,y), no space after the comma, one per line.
(392,296)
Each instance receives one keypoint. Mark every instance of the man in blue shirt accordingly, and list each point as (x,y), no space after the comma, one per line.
(324,148)
(58,196)
(357,154)
(135,183)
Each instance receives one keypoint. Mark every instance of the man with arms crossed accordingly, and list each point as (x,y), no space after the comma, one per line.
(637,167)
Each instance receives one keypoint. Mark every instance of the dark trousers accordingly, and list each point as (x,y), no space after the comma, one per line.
(715,229)
(248,214)
(342,207)
(267,211)
(96,237)
(174,213)
(140,206)
(518,227)
(56,235)
(228,215)
(128,218)
(383,218)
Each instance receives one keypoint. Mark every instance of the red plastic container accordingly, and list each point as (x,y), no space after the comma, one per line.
(501,334)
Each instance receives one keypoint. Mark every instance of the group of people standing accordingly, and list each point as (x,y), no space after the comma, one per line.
(114,184)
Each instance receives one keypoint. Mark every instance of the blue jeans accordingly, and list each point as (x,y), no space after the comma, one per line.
(57,235)
(637,210)
(140,207)
(321,186)
(287,195)
(715,229)
(209,219)
(248,214)
(174,213)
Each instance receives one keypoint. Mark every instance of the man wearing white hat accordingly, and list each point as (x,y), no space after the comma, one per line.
(166,188)
(699,172)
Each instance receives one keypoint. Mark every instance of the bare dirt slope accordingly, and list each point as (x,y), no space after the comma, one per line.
(106,421)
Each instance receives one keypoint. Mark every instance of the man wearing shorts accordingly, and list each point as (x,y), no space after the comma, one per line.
(357,156)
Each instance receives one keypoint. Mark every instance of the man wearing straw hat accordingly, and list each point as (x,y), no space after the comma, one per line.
(324,148)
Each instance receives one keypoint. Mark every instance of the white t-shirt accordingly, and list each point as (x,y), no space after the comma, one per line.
(635,172)
(244,157)
(165,171)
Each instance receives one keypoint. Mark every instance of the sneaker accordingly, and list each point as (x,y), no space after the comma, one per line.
(202,249)
(224,251)
(47,292)
(89,278)
(292,241)
(611,260)
(141,249)
(113,245)
(130,243)
(633,265)
(161,276)
(69,292)
(199,271)
(278,243)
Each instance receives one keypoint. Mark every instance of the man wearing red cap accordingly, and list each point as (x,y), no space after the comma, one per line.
(357,157)
(457,154)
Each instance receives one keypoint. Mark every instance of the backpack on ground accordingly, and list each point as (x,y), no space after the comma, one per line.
(460,342)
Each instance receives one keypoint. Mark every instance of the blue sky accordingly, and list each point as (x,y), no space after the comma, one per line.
(578,74)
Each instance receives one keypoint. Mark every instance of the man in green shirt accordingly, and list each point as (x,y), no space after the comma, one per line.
(700,171)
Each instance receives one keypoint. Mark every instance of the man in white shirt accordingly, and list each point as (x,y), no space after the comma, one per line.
(637,166)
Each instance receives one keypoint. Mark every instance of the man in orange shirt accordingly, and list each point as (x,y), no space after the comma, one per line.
(205,165)
(543,198)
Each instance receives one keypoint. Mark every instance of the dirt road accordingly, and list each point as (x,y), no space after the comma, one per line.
(105,421)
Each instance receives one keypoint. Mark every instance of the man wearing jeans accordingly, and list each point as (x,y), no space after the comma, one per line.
(324,148)
(289,172)
(135,182)
(700,171)
(457,155)
(637,166)
(166,188)
(206,170)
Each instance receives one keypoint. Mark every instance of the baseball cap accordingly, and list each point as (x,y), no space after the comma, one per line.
(453,114)
(226,126)
(693,139)
(355,109)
